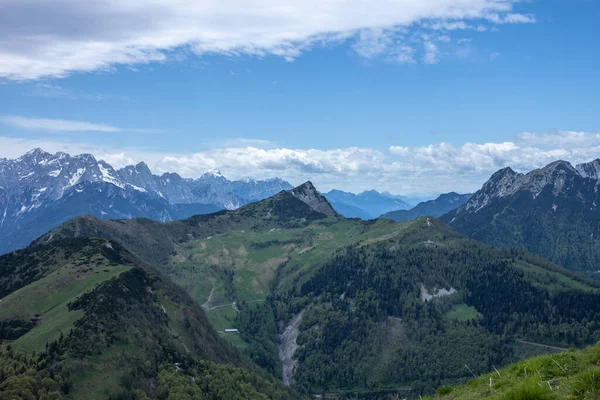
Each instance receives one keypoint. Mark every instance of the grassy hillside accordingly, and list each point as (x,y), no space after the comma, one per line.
(569,375)
(85,318)
(40,283)
(232,256)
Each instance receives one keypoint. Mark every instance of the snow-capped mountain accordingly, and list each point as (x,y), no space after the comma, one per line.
(552,211)
(39,190)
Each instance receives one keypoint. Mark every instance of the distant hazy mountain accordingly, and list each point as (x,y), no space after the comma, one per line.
(552,211)
(434,208)
(39,191)
(349,211)
(366,205)
(411,200)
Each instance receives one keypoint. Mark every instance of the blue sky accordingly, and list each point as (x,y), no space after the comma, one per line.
(408,97)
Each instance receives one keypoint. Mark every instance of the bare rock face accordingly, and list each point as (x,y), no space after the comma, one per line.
(590,169)
(287,346)
(559,176)
(309,195)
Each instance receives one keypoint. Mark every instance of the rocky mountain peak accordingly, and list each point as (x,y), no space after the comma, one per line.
(142,167)
(36,152)
(559,166)
(559,175)
(311,196)
(501,183)
(213,175)
(590,169)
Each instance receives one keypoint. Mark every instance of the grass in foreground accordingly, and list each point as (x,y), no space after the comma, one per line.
(570,375)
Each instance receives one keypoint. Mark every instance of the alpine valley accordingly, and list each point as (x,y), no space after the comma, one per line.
(282,298)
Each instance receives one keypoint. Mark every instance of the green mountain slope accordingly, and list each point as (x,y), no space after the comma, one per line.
(336,305)
(234,256)
(412,310)
(570,375)
(85,318)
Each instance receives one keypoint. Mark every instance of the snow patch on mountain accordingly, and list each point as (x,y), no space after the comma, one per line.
(76,176)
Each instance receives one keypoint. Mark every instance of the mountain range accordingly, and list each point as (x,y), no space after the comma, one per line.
(435,208)
(551,211)
(39,191)
(324,303)
(284,298)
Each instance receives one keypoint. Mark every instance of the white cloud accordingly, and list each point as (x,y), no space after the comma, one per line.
(435,168)
(55,125)
(64,126)
(494,56)
(511,18)
(567,139)
(431,53)
(40,38)
(373,42)
(404,55)
(449,26)
(528,151)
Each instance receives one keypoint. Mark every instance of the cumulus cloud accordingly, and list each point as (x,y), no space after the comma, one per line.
(435,168)
(528,151)
(40,38)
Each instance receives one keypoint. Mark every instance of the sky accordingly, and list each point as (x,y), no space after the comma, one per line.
(405,96)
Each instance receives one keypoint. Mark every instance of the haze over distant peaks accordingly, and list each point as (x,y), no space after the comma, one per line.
(434,208)
(366,205)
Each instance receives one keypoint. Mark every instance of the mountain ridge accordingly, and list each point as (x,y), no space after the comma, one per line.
(551,211)
(39,190)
